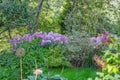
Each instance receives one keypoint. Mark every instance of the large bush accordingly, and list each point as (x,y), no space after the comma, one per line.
(112,58)
(41,49)
(81,50)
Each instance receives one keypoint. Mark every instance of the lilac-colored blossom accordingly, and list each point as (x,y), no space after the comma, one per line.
(14,41)
(43,42)
(99,40)
(30,38)
(48,41)
(93,39)
(105,39)
(26,36)
(106,33)
(14,48)
(38,35)
(46,38)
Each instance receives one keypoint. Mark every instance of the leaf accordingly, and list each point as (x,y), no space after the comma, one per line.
(31,77)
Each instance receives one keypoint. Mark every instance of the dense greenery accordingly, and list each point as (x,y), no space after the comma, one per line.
(59,34)
(112,58)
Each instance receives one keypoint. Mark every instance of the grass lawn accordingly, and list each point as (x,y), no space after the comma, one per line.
(69,73)
(75,74)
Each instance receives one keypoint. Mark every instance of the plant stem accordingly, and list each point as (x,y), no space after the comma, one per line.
(21,68)
(36,77)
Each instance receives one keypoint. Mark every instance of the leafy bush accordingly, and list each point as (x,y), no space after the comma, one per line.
(112,57)
(9,64)
(80,50)
(38,48)
(103,39)
(56,58)
(102,76)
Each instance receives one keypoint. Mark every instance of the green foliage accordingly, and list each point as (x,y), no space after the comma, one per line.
(81,18)
(15,13)
(81,50)
(34,51)
(35,55)
(47,77)
(6,74)
(50,15)
(112,58)
(56,58)
(9,66)
(102,76)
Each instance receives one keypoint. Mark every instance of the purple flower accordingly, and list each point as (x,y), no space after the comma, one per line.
(38,35)
(65,39)
(48,41)
(99,40)
(43,42)
(46,38)
(14,48)
(50,33)
(106,33)
(93,39)
(57,39)
(105,39)
(49,37)
(31,38)
(26,36)
(14,41)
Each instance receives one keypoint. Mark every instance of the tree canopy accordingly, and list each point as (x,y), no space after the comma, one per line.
(63,16)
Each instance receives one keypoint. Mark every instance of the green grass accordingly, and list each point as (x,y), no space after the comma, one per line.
(75,74)
(69,73)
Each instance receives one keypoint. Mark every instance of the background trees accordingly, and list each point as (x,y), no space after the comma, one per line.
(63,16)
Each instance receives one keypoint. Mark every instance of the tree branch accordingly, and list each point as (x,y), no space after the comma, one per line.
(37,15)
(3,31)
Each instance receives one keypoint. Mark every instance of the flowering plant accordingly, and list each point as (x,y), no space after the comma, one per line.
(44,39)
(111,70)
(103,39)
(37,47)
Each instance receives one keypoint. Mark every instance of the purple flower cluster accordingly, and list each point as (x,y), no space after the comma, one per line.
(97,40)
(45,38)
(102,38)
(54,37)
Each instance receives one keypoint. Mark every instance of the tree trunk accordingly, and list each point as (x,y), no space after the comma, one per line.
(37,16)
(9,33)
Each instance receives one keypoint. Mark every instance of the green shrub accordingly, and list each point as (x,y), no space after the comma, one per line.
(81,50)
(36,54)
(56,58)
(112,57)
(33,52)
